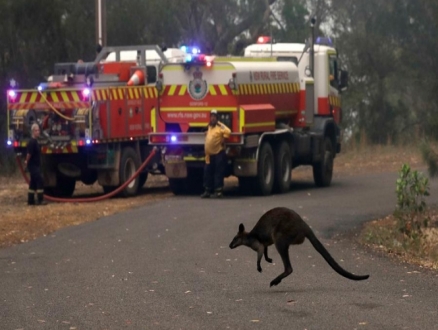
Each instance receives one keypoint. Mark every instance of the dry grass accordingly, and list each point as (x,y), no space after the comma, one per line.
(20,223)
(422,250)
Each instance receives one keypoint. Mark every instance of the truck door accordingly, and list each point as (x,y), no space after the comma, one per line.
(334,99)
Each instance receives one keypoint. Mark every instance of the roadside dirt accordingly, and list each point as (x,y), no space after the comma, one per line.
(20,223)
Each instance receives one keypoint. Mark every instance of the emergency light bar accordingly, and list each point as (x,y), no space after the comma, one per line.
(324,41)
(263,39)
(199,59)
(190,50)
(194,56)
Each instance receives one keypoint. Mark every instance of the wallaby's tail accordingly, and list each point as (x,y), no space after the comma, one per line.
(326,255)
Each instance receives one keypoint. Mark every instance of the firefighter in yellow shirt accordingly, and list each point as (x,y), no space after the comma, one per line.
(215,158)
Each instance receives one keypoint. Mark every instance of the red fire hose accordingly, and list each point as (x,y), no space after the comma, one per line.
(91,199)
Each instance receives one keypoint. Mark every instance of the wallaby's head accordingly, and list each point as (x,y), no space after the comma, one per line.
(240,238)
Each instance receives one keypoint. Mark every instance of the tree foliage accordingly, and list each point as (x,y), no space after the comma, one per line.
(388,47)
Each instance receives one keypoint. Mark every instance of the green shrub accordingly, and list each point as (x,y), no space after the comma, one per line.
(412,188)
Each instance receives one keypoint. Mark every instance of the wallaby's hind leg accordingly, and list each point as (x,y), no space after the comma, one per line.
(283,250)
(259,258)
(266,255)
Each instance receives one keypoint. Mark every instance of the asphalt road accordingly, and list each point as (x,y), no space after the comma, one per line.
(168,266)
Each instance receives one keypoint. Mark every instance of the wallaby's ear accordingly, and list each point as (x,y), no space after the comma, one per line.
(241,228)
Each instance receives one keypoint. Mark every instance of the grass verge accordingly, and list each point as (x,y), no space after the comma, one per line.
(383,235)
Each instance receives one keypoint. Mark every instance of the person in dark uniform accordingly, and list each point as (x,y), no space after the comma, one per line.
(215,158)
(33,163)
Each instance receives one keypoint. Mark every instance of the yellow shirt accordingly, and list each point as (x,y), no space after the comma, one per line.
(214,140)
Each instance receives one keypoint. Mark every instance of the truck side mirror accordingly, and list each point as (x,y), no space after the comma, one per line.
(343,80)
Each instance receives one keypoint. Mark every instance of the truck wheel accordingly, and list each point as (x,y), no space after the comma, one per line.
(108,189)
(192,184)
(129,164)
(142,178)
(194,181)
(65,187)
(283,167)
(264,180)
(245,185)
(323,170)
(88,177)
(177,186)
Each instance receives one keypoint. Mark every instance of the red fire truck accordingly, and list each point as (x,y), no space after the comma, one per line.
(94,117)
(281,102)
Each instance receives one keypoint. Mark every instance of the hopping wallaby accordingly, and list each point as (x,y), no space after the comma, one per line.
(283,227)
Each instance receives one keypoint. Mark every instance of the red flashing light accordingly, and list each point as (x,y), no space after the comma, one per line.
(263,39)
(16,144)
(81,143)
(182,138)
(159,139)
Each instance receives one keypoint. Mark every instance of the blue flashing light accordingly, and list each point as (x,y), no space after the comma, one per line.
(12,94)
(86,92)
(9,142)
(324,41)
(190,50)
(40,88)
(199,59)
(88,141)
(173,138)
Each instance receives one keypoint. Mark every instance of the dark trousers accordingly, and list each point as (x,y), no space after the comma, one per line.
(214,172)
(36,185)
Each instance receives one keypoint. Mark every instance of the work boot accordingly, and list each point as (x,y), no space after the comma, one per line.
(41,200)
(218,194)
(30,199)
(206,194)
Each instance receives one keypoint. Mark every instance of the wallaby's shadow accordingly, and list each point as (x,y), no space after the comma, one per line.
(319,289)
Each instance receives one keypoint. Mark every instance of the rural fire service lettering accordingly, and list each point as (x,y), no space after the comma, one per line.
(187,115)
(269,76)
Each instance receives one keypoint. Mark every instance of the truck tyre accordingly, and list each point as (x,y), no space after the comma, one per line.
(264,180)
(65,187)
(88,177)
(194,181)
(323,170)
(193,184)
(142,178)
(283,167)
(245,185)
(108,189)
(129,164)
(177,186)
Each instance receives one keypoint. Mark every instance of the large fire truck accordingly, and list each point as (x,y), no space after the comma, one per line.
(281,102)
(94,117)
